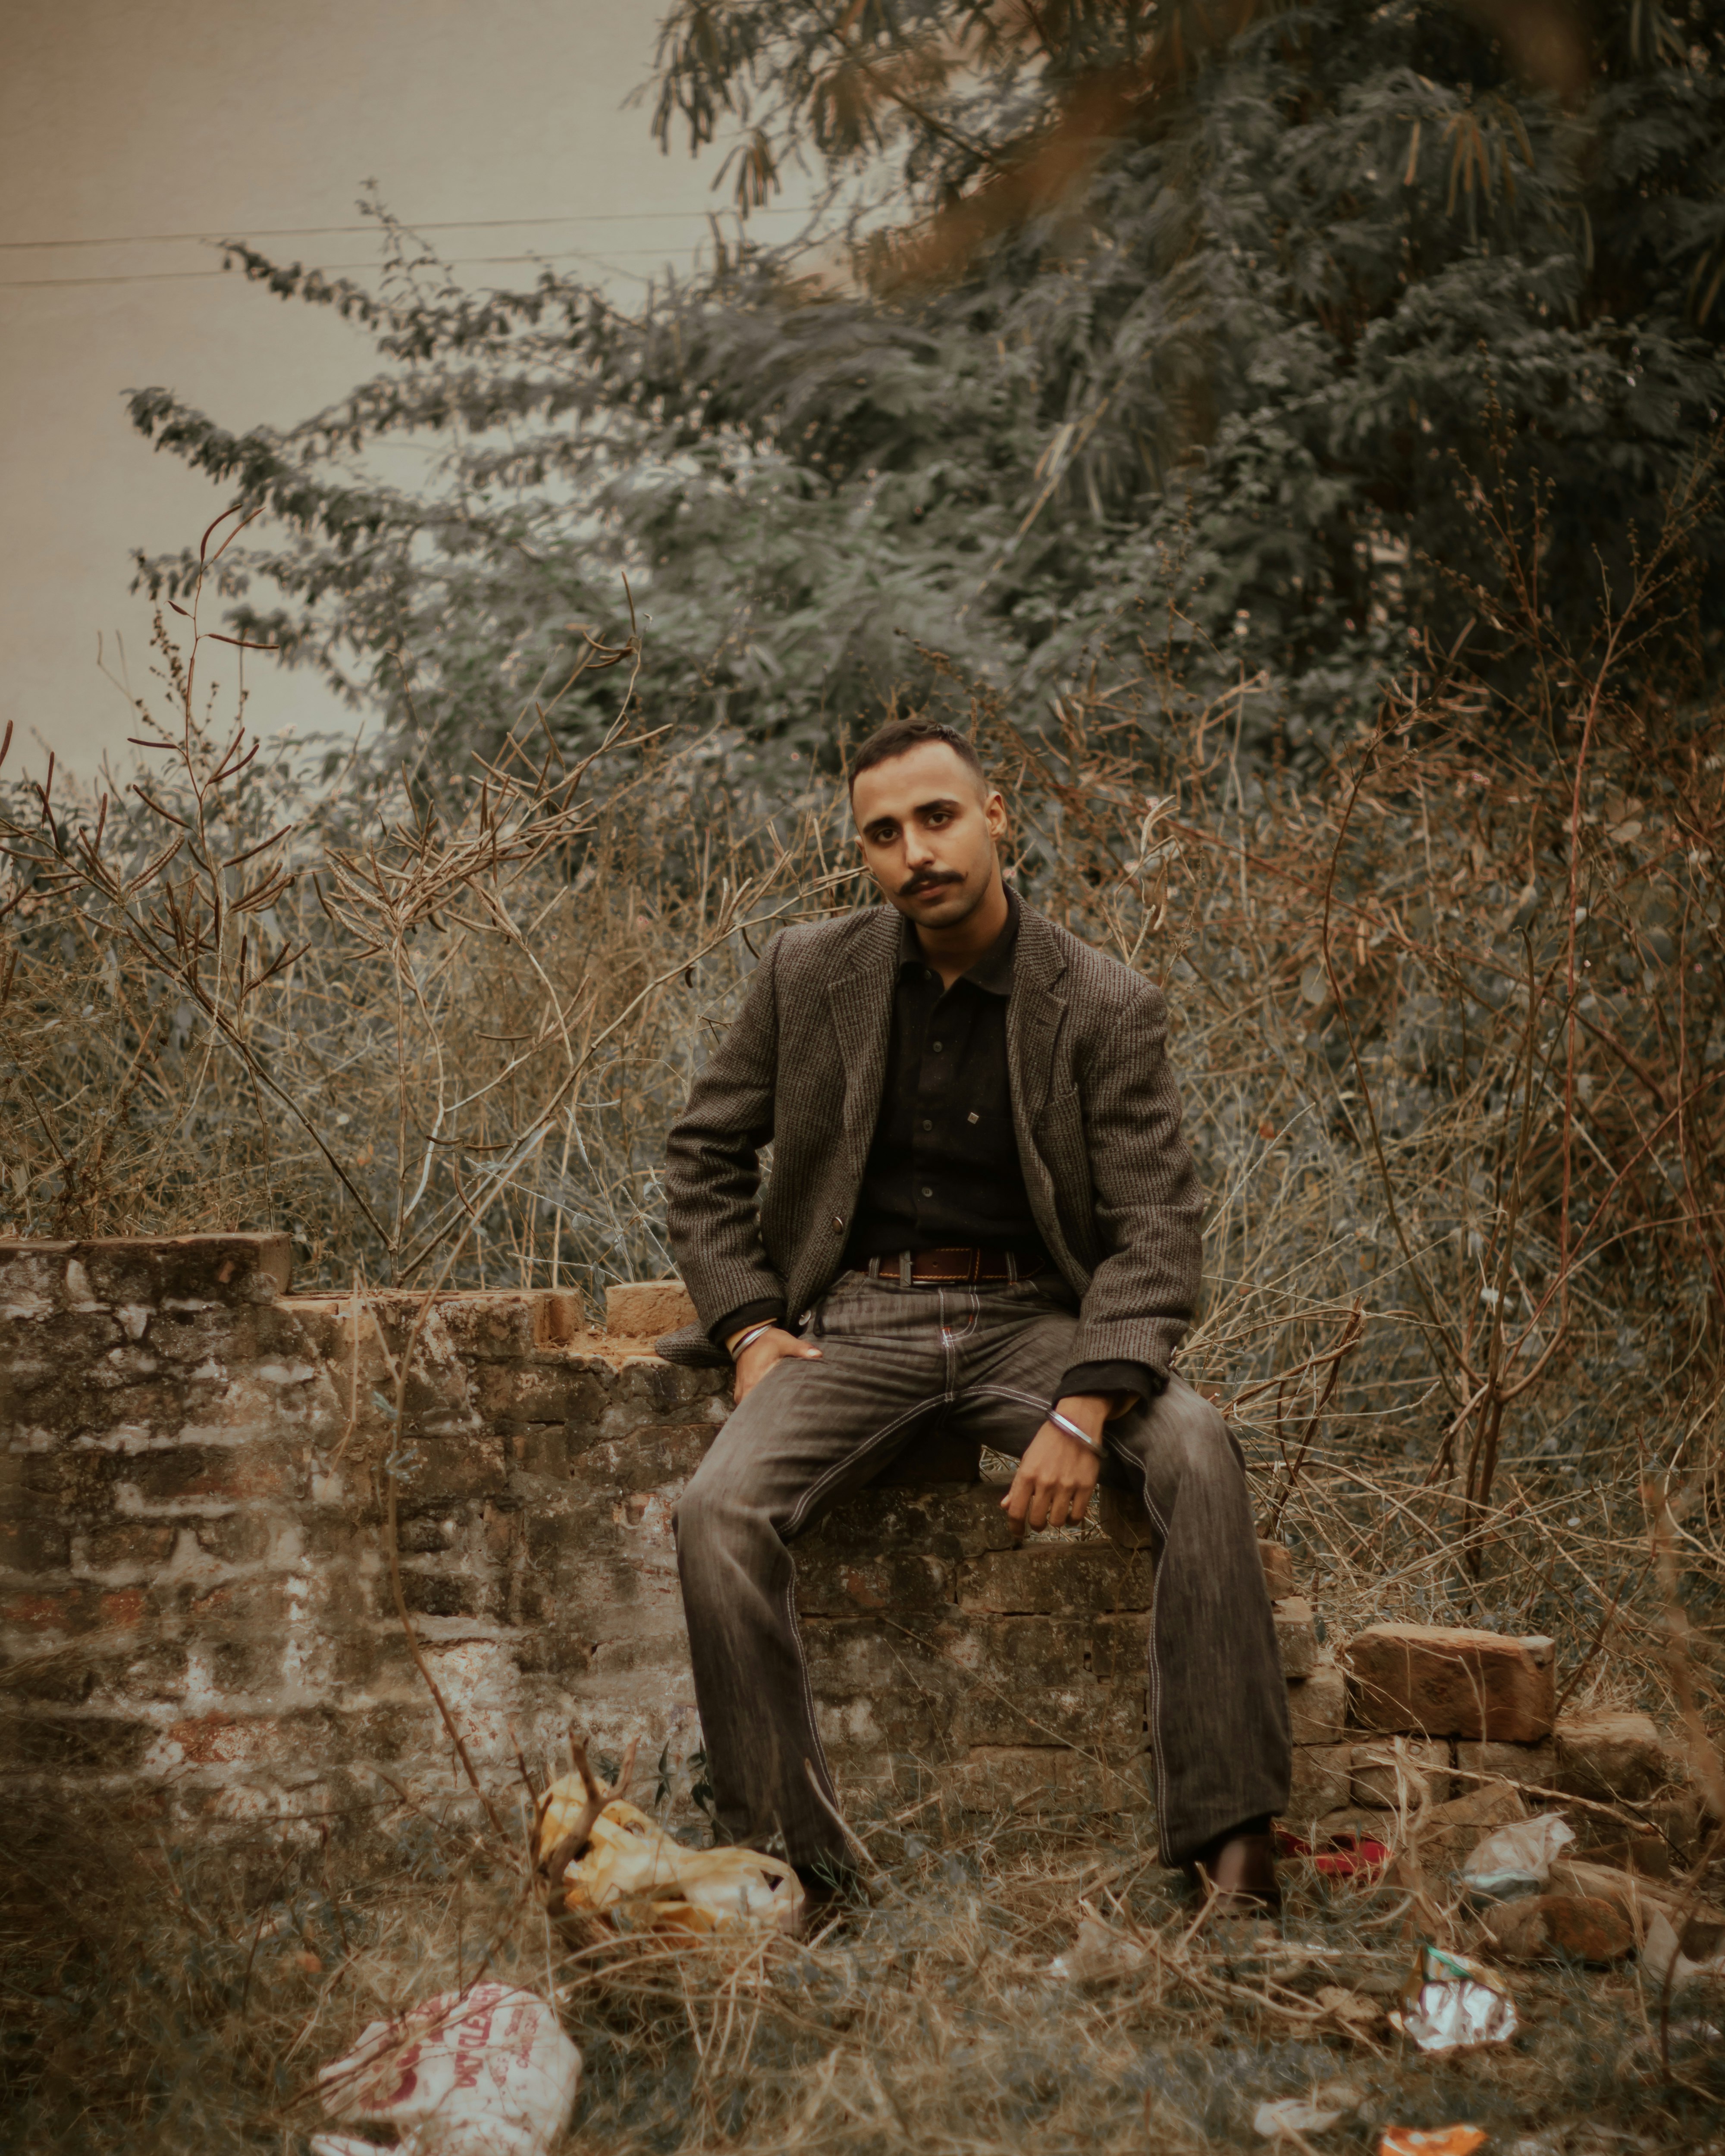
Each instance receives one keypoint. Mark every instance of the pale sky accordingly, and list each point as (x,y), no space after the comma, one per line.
(124,119)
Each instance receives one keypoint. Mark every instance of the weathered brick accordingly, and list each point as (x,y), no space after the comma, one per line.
(1532,1763)
(1321,1779)
(1296,1635)
(58,1611)
(440,1470)
(139,1548)
(536,1392)
(651,1457)
(30,1546)
(191,1475)
(89,1743)
(647,1310)
(508,1324)
(1431,1680)
(1278,1563)
(1046,1780)
(850,1655)
(639,1389)
(947,1520)
(1317,1705)
(421,1536)
(903,1719)
(661,1653)
(540,1449)
(241,1538)
(1401,1770)
(1055,1578)
(559,1653)
(443,1594)
(1605,1755)
(830,1583)
(1097,1715)
(223,1268)
(1119,1645)
(1451,1831)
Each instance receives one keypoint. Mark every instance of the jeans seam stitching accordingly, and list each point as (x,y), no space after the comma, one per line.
(820,1759)
(795,1519)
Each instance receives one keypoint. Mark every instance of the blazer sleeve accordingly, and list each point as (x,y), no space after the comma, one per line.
(712,1174)
(1148,1205)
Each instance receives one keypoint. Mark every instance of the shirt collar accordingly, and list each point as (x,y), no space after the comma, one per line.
(992,970)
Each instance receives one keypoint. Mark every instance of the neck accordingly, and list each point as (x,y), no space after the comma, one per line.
(954,951)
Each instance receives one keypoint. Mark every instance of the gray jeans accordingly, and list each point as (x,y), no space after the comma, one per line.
(896,1364)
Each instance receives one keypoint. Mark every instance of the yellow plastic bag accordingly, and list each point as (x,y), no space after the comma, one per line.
(631,1871)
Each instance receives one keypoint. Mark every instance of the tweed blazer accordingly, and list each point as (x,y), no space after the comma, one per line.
(1110,1179)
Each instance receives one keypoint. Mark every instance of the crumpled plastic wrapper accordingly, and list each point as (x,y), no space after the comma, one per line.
(1517,1858)
(1451,2003)
(1431,2140)
(487,2072)
(1289,2117)
(633,1876)
(1664,1959)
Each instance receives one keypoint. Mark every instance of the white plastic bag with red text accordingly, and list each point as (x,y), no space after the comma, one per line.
(483,2072)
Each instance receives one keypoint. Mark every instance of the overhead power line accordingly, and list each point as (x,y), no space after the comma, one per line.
(327,269)
(447,224)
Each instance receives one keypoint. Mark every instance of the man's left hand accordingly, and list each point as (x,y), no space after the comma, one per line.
(1056,1476)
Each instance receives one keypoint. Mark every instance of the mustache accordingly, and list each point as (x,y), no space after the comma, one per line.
(918,884)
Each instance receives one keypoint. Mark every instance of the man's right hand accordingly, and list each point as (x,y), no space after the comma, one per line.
(775,1345)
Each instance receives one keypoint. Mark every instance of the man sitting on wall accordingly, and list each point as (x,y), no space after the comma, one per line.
(981,1214)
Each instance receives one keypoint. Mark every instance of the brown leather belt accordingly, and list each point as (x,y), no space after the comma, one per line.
(960,1267)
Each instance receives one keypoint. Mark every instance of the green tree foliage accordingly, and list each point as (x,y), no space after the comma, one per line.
(1187,326)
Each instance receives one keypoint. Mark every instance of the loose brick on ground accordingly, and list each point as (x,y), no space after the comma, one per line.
(1432,1681)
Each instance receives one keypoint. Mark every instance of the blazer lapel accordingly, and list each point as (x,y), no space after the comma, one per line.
(860,998)
(1033,1016)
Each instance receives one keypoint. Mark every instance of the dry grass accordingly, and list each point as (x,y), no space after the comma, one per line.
(1451,1027)
(179,1998)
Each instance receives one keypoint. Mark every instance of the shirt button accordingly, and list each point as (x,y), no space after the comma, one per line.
(927,1192)
(928,1123)
(938,1046)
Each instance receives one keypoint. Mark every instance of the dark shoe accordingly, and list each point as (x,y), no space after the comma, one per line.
(1236,1873)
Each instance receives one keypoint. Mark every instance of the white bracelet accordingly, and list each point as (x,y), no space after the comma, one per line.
(1071,1428)
(751,1336)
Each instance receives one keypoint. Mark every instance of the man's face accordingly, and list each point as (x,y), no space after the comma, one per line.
(928,830)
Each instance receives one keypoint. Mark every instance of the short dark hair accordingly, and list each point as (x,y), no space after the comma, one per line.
(899,736)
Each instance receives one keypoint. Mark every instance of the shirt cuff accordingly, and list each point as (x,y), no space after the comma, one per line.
(1111,1377)
(769,1312)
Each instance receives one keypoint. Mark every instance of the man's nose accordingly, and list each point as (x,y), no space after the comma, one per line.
(919,848)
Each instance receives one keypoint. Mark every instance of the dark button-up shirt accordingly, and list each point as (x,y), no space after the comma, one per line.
(944,1168)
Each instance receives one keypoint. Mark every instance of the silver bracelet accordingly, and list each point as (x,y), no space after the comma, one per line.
(1071,1428)
(751,1336)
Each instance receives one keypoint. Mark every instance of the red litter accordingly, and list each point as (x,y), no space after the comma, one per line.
(1344,1855)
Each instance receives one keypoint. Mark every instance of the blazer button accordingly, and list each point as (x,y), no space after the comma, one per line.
(838,1219)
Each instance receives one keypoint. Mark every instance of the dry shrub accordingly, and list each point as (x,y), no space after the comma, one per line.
(1451,1027)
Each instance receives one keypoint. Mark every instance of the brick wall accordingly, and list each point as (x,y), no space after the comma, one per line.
(196,1596)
